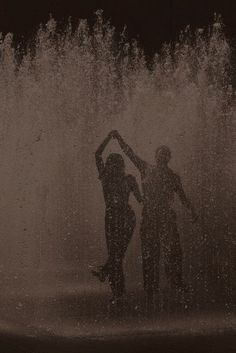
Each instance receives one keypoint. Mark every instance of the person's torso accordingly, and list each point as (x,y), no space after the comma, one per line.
(116,193)
(159,187)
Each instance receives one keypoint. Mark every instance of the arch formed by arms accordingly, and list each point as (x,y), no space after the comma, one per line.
(98,154)
(140,164)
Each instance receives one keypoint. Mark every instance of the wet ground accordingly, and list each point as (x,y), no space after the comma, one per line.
(220,343)
(77,319)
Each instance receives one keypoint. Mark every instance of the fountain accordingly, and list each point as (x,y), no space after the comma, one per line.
(58,101)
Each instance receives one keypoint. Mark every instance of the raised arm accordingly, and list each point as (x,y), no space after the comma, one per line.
(183,198)
(137,161)
(99,152)
(135,188)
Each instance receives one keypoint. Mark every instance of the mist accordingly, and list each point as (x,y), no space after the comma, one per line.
(58,102)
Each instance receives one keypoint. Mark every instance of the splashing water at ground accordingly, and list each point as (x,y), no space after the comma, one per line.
(57,104)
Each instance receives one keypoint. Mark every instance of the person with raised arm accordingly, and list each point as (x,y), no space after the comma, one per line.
(119,217)
(158,224)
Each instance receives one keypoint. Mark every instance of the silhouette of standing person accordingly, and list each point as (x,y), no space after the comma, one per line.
(120,219)
(158,225)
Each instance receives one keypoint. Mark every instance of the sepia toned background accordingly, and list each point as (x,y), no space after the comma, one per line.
(63,87)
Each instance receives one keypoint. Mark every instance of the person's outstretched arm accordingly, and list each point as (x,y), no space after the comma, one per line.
(183,198)
(99,152)
(135,188)
(137,161)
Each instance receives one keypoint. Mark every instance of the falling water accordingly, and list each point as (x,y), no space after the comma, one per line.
(60,100)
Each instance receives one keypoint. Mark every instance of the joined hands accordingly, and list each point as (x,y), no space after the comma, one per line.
(114,134)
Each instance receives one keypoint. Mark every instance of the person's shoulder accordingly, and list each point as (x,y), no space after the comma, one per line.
(175,177)
(131,181)
(130,178)
(101,177)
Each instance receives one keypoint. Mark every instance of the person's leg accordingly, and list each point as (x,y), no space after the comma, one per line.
(176,259)
(116,278)
(111,225)
(172,250)
(156,261)
(150,254)
(116,254)
(111,232)
(103,271)
(129,224)
(117,283)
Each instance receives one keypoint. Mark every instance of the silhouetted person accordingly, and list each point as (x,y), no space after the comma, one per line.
(119,217)
(158,225)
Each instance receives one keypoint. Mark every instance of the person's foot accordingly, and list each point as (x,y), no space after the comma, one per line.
(116,301)
(116,307)
(99,274)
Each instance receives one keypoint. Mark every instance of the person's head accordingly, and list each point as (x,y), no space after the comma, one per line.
(163,155)
(115,165)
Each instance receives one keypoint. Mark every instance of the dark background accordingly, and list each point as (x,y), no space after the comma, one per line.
(152,22)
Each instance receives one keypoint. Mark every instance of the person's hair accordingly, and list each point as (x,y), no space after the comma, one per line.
(114,166)
(163,153)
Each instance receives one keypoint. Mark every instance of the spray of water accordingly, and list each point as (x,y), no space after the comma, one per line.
(60,101)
